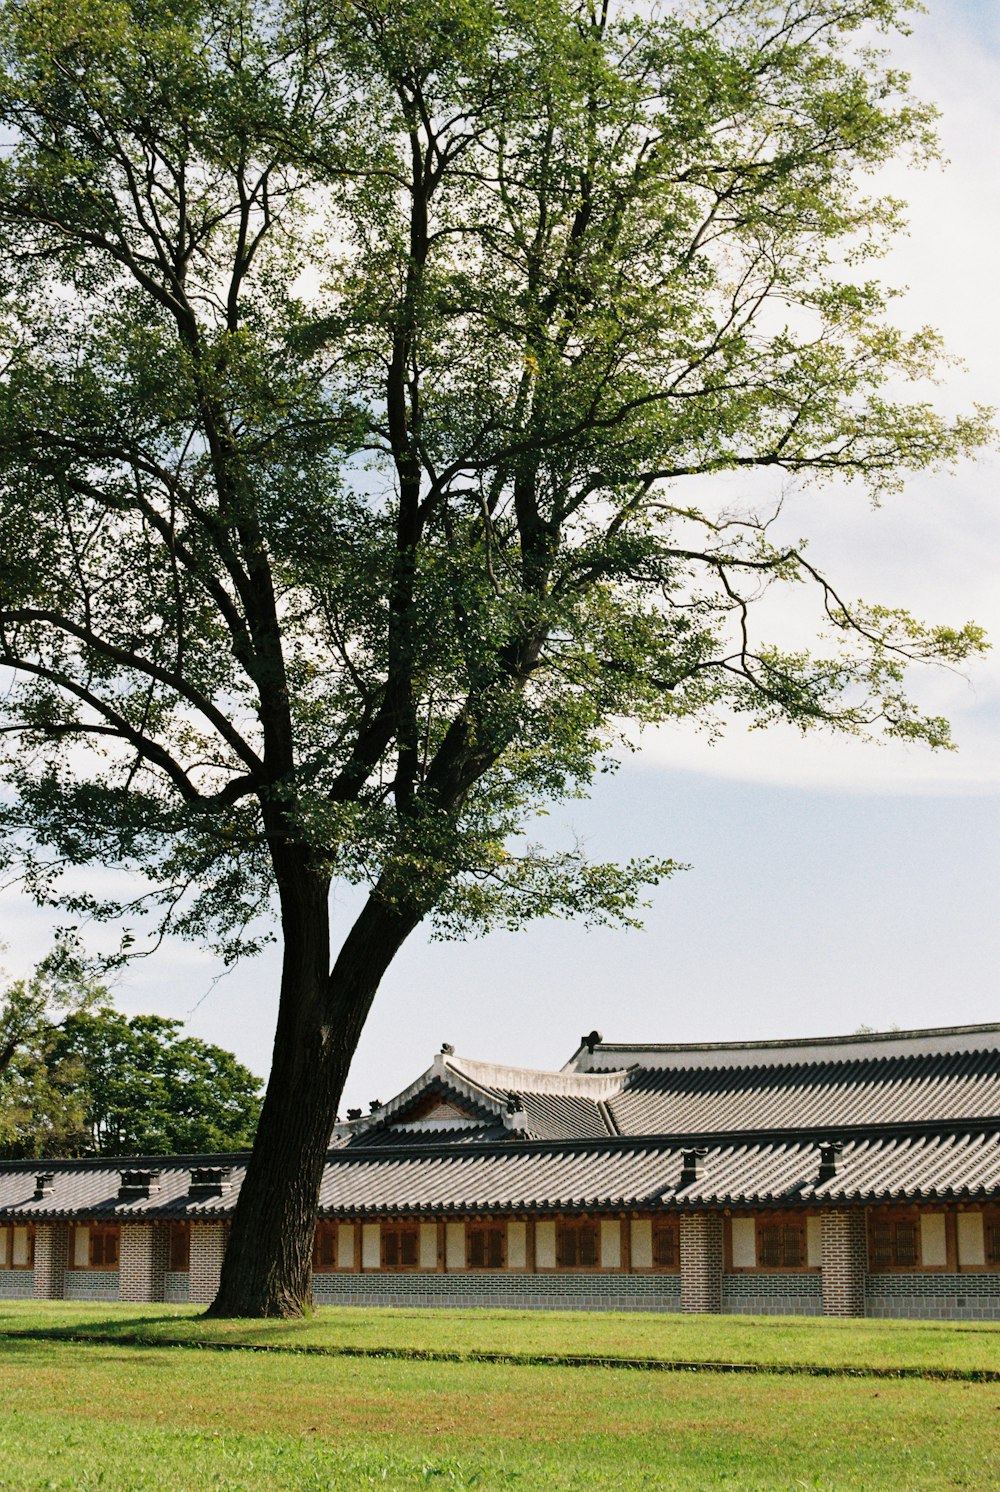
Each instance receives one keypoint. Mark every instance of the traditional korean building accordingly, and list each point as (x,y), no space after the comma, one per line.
(847,1175)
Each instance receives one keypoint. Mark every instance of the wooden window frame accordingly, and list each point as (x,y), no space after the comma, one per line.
(991,1224)
(325,1230)
(565,1225)
(95,1230)
(178,1228)
(30,1227)
(402,1229)
(990,1214)
(662,1226)
(782,1219)
(911,1215)
(486,1225)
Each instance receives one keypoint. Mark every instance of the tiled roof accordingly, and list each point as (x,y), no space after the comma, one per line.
(918,1114)
(90,1187)
(864,1091)
(436,1179)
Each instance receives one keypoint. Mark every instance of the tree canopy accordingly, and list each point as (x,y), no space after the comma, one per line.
(101,1083)
(369,369)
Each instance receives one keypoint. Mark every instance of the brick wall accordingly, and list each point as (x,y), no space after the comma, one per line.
(142,1261)
(701,1261)
(175,1286)
(934,1297)
(772,1294)
(542,1292)
(51,1253)
(208,1245)
(845,1258)
(91,1284)
(17,1284)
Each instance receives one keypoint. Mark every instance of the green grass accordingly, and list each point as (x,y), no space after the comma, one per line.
(769,1340)
(106,1412)
(117,1417)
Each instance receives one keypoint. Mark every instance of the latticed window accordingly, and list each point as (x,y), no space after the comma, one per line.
(485,1245)
(781,1245)
(991,1229)
(895,1243)
(666,1251)
(104,1245)
(325,1246)
(576,1245)
(399,1247)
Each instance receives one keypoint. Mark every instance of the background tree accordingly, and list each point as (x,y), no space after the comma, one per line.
(368,364)
(100,1083)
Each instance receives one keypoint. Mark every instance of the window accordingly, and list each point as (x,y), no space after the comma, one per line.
(991,1238)
(22,1247)
(95,1246)
(179,1247)
(400,1247)
(325,1245)
(895,1243)
(781,1243)
(576,1245)
(485,1245)
(104,1245)
(666,1251)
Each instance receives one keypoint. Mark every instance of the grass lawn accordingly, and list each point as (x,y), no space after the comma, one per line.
(111,1414)
(769,1340)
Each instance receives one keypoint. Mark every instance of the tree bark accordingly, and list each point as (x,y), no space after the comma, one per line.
(267,1270)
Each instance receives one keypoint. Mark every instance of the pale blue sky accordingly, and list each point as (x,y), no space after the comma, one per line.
(831,884)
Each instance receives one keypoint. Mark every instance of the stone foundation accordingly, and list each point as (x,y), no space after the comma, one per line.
(772,1295)
(540,1292)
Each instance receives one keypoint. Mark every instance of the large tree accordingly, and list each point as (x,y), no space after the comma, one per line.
(369,368)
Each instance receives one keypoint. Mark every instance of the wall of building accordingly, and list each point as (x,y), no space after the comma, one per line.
(90,1284)
(772,1294)
(542,1292)
(934,1297)
(710,1278)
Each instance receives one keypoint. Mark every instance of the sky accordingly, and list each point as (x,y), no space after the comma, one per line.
(831,884)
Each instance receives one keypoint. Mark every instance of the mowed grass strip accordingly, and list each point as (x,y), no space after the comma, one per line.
(768,1341)
(82,1415)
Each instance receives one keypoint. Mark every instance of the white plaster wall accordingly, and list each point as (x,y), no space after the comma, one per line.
(744,1243)
(455,1245)
(971,1238)
(517,1245)
(814,1241)
(428,1246)
(545,1245)
(933,1248)
(611,1243)
(345,1245)
(642,1243)
(371,1246)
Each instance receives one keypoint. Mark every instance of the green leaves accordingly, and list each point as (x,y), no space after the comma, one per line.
(99,1083)
(367,370)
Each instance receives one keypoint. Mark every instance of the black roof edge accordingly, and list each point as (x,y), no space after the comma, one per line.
(814,1135)
(127,1162)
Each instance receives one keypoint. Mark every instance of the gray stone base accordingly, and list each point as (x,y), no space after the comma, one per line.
(518,1292)
(175,1287)
(17,1284)
(772,1295)
(91,1284)
(934,1297)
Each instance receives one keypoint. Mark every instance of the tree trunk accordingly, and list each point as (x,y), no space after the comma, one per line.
(267,1269)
